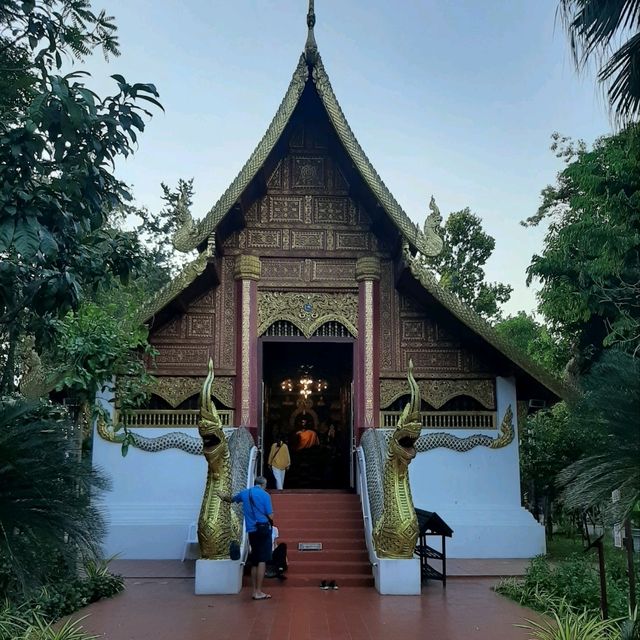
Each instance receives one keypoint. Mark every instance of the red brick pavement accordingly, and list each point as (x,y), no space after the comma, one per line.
(158,608)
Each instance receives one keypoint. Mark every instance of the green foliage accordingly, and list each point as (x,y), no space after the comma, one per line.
(58,144)
(99,341)
(548,444)
(590,265)
(467,247)
(34,619)
(608,32)
(535,340)
(47,517)
(609,408)
(573,582)
(572,625)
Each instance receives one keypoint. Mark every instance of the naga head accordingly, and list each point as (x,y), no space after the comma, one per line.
(214,442)
(403,439)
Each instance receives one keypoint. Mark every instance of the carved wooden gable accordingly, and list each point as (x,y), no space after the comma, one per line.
(409,331)
(205,330)
(307,229)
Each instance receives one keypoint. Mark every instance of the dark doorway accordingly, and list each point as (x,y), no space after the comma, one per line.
(307,402)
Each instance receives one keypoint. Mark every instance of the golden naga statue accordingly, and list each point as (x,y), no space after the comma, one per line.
(218,523)
(396,532)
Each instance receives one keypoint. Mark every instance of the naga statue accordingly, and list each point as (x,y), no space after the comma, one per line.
(396,532)
(218,523)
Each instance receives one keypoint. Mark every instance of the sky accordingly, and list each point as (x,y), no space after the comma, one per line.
(455,98)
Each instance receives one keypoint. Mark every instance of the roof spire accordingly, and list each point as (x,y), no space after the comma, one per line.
(310,47)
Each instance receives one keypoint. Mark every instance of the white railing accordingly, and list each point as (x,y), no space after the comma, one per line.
(251,474)
(445,419)
(363,492)
(168,418)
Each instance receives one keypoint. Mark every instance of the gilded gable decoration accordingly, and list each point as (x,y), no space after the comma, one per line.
(438,392)
(307,311)
(176,389)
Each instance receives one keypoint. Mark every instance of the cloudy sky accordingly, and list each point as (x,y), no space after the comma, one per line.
(456,98)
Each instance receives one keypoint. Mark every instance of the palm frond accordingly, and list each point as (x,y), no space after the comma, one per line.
(609,407)
(46,491)
(593,26)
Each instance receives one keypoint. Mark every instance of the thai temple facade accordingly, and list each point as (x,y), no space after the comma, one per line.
(311,295)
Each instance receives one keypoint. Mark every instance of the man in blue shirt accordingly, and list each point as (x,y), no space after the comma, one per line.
(258,517)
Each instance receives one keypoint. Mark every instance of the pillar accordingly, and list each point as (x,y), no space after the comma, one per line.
(367,366)
(247,273)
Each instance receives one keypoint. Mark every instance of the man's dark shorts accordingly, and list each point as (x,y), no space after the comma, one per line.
(261,546)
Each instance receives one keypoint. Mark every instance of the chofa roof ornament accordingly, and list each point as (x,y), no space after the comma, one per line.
(311,47)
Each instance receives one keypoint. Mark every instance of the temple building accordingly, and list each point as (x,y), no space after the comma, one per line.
(311,295)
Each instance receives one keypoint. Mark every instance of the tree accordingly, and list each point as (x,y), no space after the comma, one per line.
(609,407)
(548,444)
(467,247)
(593,27)
(58,145)
(535,340)
(590,265)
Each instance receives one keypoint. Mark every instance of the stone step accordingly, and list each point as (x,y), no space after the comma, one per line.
(342,580)
(323,567)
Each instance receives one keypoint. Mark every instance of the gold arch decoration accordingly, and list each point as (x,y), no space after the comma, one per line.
(176,389)
(438,392)
(307,311)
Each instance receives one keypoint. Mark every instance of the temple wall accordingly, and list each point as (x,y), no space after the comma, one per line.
(477,493)
(154,496)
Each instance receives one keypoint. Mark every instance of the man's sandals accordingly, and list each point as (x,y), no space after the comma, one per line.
(264,596)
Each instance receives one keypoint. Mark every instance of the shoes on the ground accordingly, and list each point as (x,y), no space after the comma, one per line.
(332,585)
(324,585)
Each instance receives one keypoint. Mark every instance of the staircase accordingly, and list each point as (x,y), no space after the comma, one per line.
(333,518)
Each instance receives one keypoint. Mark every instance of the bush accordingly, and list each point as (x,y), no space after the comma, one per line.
(21,624)
(575,581)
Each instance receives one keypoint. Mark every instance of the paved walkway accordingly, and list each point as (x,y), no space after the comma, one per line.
(165,608)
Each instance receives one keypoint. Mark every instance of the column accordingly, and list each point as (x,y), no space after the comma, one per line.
(367,374)
(247,273)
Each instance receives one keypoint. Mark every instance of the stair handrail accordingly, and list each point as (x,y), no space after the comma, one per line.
(244,458)
(363,491)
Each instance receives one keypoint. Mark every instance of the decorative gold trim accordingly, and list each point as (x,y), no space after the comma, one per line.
(247,268)
(445,419)
(368,353)
(507,432)
(176,389)
(245,350)
(307,311)
(368,268)
(167,418)
(438,392)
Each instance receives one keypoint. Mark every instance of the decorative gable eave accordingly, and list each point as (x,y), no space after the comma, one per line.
(209,223)
(310,68)
(167,294)
(423,275)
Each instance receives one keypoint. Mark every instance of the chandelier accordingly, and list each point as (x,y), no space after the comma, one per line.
(305,385)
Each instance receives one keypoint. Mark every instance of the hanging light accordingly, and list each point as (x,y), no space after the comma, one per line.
(305,385)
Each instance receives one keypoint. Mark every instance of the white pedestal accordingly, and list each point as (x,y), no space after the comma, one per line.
(398,577)
(218,577)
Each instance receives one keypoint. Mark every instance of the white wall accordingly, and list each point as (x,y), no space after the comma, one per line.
(154,496)
(477,493)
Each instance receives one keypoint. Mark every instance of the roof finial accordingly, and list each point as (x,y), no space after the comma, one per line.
(310,47)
